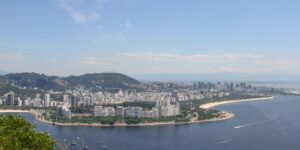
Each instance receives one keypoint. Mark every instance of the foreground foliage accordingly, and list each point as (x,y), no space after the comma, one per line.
(18,134)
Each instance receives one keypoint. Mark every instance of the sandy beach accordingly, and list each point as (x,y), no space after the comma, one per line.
(214,104)
(224,116)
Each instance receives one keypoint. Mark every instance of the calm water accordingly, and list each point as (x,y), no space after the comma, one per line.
(264,125)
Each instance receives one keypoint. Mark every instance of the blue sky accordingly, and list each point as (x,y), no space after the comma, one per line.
(63,37)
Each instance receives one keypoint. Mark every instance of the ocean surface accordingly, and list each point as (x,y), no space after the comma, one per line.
(261,125)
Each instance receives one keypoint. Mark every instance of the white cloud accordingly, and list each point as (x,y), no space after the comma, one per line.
(154,63)
(110,37)
(90,61)
(80,14)
(191,58)
(127,24)
(11,56)
(87,11)
(174,63)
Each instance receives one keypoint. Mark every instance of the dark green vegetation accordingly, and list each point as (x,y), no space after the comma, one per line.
(113,120)
(192,109)
(23,93)
(82,109)
(18,134)
(145,105)
(103,81)
(32,80)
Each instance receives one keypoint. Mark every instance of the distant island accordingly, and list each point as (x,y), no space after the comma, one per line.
(114,99)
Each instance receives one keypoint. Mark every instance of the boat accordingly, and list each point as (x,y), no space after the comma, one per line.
(104,147)
(86,147)
(78,138)
(73,143)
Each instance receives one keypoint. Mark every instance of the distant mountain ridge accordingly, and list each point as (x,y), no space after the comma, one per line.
(99,80)
(3,72)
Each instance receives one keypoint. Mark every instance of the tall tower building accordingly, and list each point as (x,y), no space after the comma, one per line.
(74,101)
(10,98)
(66,98)
(46,100)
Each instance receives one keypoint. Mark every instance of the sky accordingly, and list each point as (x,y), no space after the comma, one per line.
(180,39)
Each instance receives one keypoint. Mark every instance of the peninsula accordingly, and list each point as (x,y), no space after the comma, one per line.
(224,115)
(113,99)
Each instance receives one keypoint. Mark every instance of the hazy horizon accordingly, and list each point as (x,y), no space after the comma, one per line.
(227,77)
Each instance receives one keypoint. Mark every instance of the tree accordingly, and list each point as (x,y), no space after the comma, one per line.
(18,134)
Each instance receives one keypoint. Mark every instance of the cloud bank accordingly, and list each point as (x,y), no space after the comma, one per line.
(154,63)
(194,64)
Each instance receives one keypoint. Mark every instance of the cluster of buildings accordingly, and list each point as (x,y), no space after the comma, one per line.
(162,109)
(166,95)
(10,99)
(81,96)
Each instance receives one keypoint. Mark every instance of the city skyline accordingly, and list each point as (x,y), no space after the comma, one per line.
(242,40)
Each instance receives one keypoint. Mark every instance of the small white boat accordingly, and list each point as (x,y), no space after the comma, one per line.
(104,147)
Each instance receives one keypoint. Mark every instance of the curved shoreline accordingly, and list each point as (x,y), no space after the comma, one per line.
(214,104)
(35,113)
(224,116)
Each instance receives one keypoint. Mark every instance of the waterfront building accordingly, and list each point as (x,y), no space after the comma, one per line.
(164,111)
(156,112)
(136,112)
(98,111)
(120,111)
(109,111)
(148,114)
(167,109)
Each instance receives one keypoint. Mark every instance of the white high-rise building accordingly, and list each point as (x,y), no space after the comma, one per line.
(98,111)
(46,100)
(66,98)
(19,102)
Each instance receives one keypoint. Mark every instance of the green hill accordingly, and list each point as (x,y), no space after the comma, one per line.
(105,80)
(32,80)
(93,80)
(23,93)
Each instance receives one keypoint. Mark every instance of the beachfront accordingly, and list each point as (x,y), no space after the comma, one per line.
(214,104)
